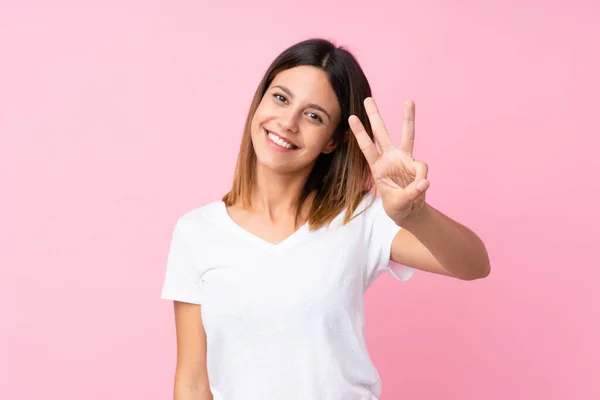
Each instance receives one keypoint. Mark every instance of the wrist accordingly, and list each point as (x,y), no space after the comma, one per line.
(415,218)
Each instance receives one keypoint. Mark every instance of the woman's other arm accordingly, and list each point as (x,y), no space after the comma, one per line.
(191,375)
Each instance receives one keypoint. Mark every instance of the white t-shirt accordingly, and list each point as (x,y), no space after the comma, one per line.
(283,321)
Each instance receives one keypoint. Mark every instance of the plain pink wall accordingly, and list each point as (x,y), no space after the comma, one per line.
(116,117)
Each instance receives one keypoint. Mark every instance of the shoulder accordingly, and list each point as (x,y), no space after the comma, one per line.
(368,210)
(369,207)
(372,217)
(200,219)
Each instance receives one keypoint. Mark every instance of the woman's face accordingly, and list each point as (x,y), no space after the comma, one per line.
(295,120)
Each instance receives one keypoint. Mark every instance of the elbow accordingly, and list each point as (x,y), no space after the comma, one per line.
(478,268)
(486,271)
(478,272)
(478,265)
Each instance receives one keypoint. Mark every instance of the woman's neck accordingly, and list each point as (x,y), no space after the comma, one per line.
(276,195)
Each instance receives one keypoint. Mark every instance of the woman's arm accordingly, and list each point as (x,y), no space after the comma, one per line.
(191,375)
(433,242)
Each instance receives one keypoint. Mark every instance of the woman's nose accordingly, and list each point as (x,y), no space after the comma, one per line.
(289,121)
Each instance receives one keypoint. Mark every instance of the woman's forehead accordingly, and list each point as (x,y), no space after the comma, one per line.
(307,83)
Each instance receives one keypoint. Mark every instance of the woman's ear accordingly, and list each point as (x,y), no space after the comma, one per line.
(331,146)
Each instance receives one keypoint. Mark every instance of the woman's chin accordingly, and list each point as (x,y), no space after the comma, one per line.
(277,166)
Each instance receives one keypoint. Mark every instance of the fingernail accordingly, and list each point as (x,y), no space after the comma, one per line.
(423,185)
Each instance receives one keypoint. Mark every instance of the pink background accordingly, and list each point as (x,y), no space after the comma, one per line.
(118,116)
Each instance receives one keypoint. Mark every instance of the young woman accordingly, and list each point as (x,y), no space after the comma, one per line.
(268,282)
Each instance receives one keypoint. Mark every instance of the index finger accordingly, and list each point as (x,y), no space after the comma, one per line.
(364,141)
(380,132)
(408,127)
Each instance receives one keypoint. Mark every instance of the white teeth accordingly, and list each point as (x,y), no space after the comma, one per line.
(279,141)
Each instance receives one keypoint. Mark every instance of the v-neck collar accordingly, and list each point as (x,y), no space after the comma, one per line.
(285,244)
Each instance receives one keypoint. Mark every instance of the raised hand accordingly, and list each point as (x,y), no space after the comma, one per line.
(401,180)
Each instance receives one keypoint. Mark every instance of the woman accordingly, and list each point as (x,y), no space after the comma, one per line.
(268,282)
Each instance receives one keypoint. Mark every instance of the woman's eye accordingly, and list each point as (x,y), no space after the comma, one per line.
(279,97)
(316,117)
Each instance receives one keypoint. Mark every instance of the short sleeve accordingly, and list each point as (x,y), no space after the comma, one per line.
(381,231)
(182,277)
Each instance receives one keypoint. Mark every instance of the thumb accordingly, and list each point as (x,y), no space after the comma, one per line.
(417,188)
(420,184)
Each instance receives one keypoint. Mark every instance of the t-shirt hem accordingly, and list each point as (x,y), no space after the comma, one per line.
(400,272)
(177,295)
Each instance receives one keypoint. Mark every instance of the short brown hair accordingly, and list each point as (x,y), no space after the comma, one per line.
(340,179)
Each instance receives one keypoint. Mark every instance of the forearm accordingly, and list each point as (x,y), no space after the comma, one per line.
(458,249)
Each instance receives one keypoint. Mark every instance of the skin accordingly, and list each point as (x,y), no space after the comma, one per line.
(301,106)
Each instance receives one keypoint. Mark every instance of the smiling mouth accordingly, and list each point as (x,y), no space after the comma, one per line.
(280,141)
